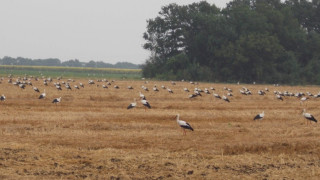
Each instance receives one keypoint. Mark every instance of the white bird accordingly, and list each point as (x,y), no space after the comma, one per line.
(43,95)
(308,116)
(169,90)
(145,103)
(186,89)
(142,96)
(155,88)
(259,116)
(279,97)
(2,97)
(132,105)
(35,89)
(217,96)
(57,100)
(225,98)
(183,124)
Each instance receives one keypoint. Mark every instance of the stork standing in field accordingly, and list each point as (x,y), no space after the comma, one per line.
(303,99)
(43,95)
(308,116)
(184,125)
(225,98)
(56,100)
(35,89)
(132,105)
(259,116)
(145,104)
(279,97)
(2,97)
(142,96)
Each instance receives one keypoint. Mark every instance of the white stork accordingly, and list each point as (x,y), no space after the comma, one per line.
(2,97)
(43,95)
(56,100)
(132,105)
(217,96)
(303,99)
(183,124)
(259,116)
(308,116)
(186,89)
(279,97)
(225,98)
(146,104)
(169,90)
(35,89)
(142,96)
(155,88)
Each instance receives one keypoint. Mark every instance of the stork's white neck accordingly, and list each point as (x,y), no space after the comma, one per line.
(178,116)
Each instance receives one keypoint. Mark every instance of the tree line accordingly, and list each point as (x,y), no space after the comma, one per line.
(70,63)
(267,41)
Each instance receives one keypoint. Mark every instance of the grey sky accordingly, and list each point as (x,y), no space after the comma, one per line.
(99,30)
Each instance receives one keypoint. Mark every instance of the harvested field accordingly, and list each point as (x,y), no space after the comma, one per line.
(91,134)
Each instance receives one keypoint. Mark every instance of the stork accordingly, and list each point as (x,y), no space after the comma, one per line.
(132,105)
(217,96)
(145,104)
(303,99)
(279,97)
(155,88)
(43,95)
(225,98)
(35,89)
(56,100)
(308,116)
(2,97)
(169,90)
(259,116)
(184,125)
(142,96)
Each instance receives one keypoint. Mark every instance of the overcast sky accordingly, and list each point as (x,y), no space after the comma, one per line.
(99,30)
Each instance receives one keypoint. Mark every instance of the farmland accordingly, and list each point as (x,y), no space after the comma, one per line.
(90,133)
(80,72)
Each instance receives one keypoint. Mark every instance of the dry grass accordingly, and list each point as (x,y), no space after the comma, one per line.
(91,134)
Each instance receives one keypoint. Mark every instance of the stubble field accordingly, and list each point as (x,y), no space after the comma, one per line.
(91,134)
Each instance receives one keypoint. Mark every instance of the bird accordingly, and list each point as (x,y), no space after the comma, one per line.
(308,116)
(2,97)
(56,100)
(279,97)
(193,96)
(155,88)
(132,105)
(225,98)
(217,96)
(169,90)
(303,99)
(35,89)
(142,96)
(259,116)
(183,124)
(146,104)
(43,95)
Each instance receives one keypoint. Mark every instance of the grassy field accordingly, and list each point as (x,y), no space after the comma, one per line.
(91,134)
(73,72)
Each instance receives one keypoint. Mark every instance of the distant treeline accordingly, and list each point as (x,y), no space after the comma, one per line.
(71,63)
(267,41)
